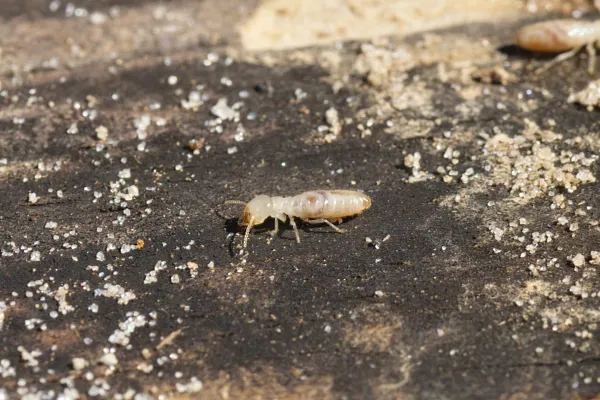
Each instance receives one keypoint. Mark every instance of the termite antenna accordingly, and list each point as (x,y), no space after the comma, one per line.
(239,202)
(243,203)
(247,235)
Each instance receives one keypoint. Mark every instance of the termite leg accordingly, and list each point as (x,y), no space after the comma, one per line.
(591,50)
(274,231)
(324,221)
(248,229)
(293,223)
(558,59)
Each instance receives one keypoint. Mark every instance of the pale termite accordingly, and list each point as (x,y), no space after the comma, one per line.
(314,207)
(566,36)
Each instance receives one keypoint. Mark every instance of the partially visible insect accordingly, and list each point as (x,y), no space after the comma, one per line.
(313,207)
(566,36)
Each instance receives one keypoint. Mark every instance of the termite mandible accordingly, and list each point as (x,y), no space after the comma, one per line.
(313,207)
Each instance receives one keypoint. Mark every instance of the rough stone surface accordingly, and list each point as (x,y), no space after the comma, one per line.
(473,275)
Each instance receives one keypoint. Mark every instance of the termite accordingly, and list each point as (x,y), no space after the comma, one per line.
(313,207)
(566,36)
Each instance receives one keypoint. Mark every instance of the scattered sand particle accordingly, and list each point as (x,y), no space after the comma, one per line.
(223,111)
(589,97)
(578,260)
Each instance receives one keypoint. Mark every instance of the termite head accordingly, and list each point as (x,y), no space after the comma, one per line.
(255,212)
(259,209)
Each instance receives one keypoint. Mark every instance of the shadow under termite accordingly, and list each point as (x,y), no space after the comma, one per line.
(232,227)
(512,50)
(517,52)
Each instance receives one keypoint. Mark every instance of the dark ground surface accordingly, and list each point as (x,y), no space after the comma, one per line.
(441,310)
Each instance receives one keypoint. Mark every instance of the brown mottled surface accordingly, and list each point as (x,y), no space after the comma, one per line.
(486,288)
